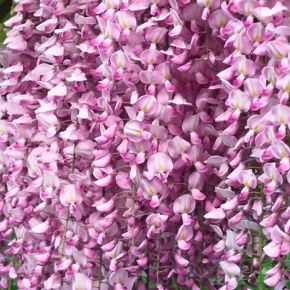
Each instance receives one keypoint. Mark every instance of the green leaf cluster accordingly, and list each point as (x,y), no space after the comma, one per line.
(5,13)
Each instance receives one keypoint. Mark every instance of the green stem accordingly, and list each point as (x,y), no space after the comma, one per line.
(158,258)
(261,245)
(252,258)
(148,271)
(11,281)
(68,212)
(65,230)
(201,284)
(148,281)
(206,42)
(260,254)
(10,285)
(74,160)
(100,276)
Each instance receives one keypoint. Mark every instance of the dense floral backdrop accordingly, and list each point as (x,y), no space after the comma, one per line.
(144,144)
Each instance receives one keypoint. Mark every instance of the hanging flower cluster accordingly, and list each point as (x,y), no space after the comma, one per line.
(145,145)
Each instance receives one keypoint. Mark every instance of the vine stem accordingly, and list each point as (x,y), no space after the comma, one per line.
(13,258)
(253,251)
(158,258)
(65,230)
(68,211)
(100,276)
(10,284)
(133,208)
(261,244)
(206,43)
(148,272)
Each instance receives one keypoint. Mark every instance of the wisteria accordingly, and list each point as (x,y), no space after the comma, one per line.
(144,144)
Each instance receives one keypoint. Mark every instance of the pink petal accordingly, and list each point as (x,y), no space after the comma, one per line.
(41,228)
(133,130)
(138,5)
(272,250)
(103,182)
(155,201)
(53,282)
(231,204)
(180,260)
(273,280)
(160,162)
(269,221)
(197,194)
(119,59)
(81,281)
(216,213)
(59,90)
(184,204)
(239,100)
(104,207)
(231,269)
(123,180)
(102,161)
(151,77)
(183,245)
(215,161)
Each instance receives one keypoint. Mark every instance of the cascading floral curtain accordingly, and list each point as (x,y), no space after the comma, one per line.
(144,144)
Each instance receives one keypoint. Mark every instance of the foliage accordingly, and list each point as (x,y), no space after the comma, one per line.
(5,13)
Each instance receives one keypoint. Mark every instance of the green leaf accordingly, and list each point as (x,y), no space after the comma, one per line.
(4,15)
(174,285)
(260,281)
(267,265)
(2,33)
(287,261)
(144,277)
(5,10)
(265,269)
(12,284)
(245,284)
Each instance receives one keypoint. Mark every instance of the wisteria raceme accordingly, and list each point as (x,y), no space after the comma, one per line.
(145,145)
